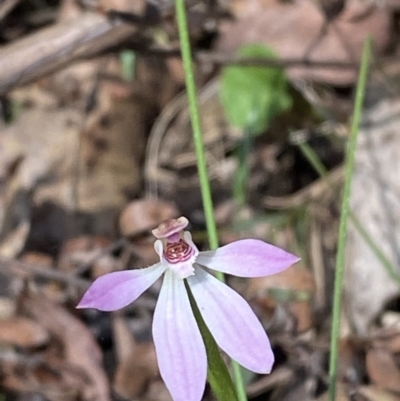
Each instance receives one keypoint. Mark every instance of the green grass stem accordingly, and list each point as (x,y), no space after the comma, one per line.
(318,166)
(345,209)
(200,154)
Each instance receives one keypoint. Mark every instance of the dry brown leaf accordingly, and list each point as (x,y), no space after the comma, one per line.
(8,305)
(22,332)
(298,286)
(80,348)
(374,393)
(137,7)
(39,380)
(135,372)
(292,28)
(382,369)
(37,258)
(82,250)
(158,392)
(375,203)
(82,168)
(137,363)
(145,214)
(124,342)
(138,218)
(387,337)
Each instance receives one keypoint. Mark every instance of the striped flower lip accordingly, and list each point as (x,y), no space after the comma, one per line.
(229,318)
(177,252)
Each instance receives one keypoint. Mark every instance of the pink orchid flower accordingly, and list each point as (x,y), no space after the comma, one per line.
(180,349)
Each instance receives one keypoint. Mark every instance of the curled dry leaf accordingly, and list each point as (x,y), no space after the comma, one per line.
(128,6)
(135,372)
(37,258)
(382,369)
(22,332)
(374,393)
(138,218)
(137,363)
(84,252)
(124,341)
(294,286)
(145,214)
(388,337)
(81,352)
(158,392)
(374,200)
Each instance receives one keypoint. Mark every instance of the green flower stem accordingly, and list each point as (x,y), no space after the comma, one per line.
(195,120)
(200,153)
(345,209)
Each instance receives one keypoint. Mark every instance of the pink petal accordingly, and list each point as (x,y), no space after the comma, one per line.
(247,258)
(180,349)
(232,322)
(115,290)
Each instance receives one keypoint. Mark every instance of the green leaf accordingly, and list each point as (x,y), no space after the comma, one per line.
(217,375)
(252,96)
(128,61)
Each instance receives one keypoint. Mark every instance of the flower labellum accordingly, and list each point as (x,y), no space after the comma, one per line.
(180,349)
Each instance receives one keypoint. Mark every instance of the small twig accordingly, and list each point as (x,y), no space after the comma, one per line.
(91,35)
(53,48)
(226,59)
(109,249)
(24,269)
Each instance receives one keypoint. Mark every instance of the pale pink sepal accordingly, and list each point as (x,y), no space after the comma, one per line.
(180,349)
(118,289)
(232,322)
(247,258)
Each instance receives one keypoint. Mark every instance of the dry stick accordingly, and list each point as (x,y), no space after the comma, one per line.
(219,58)
(53,48)
(6,7)
(25,270)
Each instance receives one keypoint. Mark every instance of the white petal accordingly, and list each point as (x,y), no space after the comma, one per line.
(180,349)
(159,248)
(247,258)
(232,322)
(118,289)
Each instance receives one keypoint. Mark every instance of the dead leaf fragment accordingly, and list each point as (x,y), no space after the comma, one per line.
(294,29)
(22,332)
(374,201)
(135,372)
(374,393)
(382,369)
(145,214)
(80,348)
(158,392)
(294,286)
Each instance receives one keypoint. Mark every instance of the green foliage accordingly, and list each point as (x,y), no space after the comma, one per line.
(252,96)
(128,61)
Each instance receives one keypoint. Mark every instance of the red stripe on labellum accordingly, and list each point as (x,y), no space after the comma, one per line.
(178,252)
